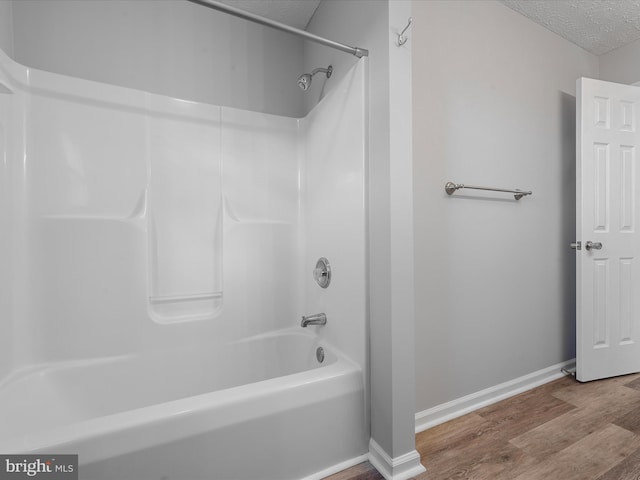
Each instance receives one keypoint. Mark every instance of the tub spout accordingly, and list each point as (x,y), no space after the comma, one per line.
(317,319)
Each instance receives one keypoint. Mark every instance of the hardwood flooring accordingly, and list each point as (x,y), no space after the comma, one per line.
(564,430)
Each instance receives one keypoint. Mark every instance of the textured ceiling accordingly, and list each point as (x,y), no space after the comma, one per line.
(296,13)
(598,26)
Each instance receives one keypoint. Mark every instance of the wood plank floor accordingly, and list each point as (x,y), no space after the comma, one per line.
(562,430)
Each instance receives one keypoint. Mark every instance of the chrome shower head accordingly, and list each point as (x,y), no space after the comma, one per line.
(304,80)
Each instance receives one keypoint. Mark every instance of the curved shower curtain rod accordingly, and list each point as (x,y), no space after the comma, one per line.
(357,51)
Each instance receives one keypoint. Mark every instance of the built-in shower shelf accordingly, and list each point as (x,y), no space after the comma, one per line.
(184,298)
(185,307)
(135,215)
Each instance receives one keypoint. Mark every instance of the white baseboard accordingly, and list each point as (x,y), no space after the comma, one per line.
(461,406)
(337,468)
(400,468)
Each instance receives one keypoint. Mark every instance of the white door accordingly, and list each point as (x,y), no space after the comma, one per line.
(608,229)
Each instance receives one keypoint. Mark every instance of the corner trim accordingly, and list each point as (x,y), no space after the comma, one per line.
(461,406)
(403,467)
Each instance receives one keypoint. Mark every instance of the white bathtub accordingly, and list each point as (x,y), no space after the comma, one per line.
(274,412)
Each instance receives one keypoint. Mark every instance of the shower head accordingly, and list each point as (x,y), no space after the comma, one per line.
(304,80)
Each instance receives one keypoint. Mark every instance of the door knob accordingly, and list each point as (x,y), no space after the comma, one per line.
(576,245)
(593,245)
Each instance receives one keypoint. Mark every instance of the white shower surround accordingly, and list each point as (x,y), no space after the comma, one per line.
(91,165)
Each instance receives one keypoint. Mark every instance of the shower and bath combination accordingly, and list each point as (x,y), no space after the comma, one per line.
(304,80)
(215,376)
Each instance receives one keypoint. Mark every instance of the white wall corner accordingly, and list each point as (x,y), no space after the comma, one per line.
(403,467)
(461,406)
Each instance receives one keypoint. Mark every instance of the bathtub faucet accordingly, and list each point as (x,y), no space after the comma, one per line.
(317,319)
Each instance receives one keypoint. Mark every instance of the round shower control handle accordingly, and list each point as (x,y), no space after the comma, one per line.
(322,272)
(593,245)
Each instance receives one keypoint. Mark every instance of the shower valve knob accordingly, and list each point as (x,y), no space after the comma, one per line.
(322,272)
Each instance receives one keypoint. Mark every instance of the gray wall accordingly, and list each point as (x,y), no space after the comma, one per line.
(495,280)
(370,24)
(621,65)
(169,47)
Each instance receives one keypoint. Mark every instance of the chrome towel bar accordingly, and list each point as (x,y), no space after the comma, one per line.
(451,187)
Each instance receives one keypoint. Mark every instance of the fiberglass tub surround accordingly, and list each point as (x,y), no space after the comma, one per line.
(161,256)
